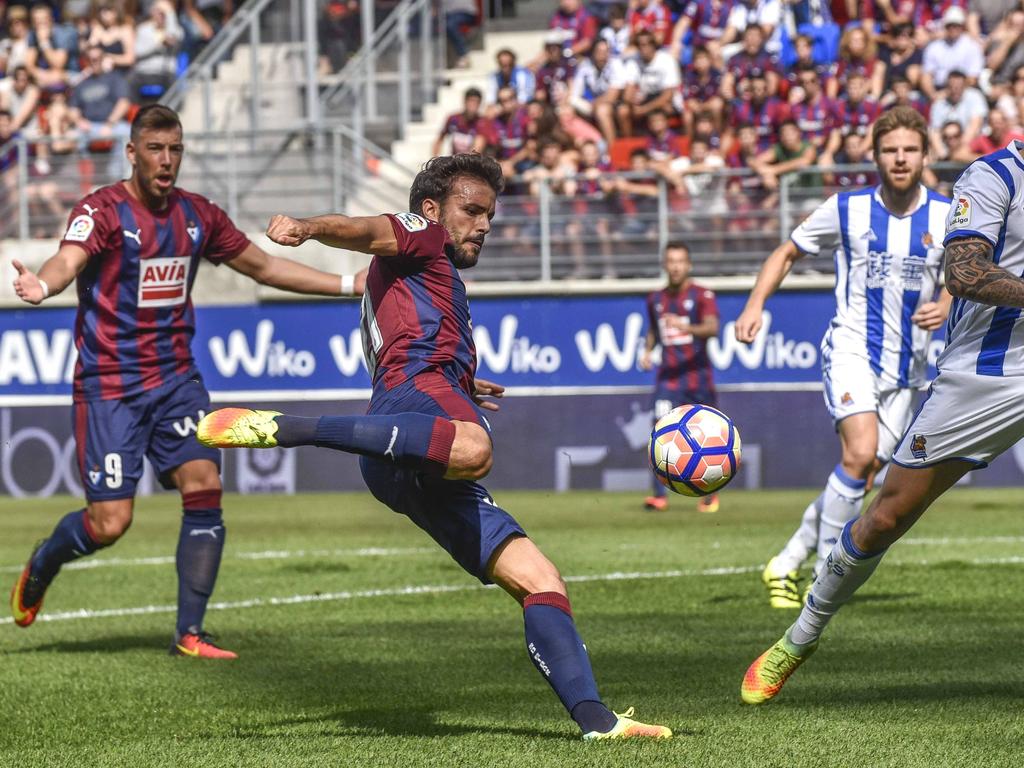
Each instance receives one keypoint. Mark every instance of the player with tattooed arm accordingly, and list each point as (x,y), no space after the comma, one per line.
(974,410)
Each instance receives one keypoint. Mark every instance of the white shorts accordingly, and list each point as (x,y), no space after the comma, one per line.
(852,387)
(965,416)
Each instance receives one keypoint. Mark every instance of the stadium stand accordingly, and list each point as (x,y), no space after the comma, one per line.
(720,77)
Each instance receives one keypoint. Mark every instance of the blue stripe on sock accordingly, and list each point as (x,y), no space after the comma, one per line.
(850,482)
(852,549)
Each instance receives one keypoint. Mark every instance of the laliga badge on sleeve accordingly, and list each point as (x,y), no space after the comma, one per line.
(962,213)
(412,222)
(80,228)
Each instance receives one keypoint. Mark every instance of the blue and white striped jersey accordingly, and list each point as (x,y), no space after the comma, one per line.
(980,338)
(886,266)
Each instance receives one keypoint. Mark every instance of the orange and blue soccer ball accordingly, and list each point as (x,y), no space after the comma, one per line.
(694,450)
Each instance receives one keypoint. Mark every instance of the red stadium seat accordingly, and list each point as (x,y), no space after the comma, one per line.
(621,150)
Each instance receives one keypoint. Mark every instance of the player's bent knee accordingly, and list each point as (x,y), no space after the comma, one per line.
(471,456)
(110,520)
(197,475)
(859,461)
(521,569)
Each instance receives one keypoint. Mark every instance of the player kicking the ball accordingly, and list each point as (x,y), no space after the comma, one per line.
(425,442)
(134,248)
(974,410)
(887,246)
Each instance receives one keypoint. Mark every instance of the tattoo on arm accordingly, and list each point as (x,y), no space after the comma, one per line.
(971,274)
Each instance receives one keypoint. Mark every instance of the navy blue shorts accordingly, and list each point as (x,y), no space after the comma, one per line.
(458,514)
(666,399)
(112,436)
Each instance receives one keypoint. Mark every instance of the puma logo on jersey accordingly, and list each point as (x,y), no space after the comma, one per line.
(136,236)
(89,209)
(390,451)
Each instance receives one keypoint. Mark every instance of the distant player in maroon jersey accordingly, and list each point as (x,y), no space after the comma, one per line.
(134,248)
(681,317)
(766,113)
(425,442)
(467,129)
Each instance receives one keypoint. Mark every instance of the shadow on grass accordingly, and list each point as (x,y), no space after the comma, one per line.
(159,643)
(918,693)
(414,721)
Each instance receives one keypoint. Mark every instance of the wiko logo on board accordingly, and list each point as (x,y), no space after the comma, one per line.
(266,356)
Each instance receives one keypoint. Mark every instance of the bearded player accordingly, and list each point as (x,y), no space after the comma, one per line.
(134,248)
(886,241)
(425,442)
(974,410)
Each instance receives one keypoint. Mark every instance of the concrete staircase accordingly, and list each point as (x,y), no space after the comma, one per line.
(414,148)
(231,91)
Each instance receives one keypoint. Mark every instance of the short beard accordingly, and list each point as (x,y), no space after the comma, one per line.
(915,181)
(460,258)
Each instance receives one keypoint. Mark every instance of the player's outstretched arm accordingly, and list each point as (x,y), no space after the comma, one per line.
(54,276)
(366,234)
(773,272)
(971,274)
(288,275)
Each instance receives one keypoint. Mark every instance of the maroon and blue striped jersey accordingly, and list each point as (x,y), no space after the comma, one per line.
(464,131)
(135,319)
(766,117)
(685,364)
(857,116)
(415,315)
(816,119)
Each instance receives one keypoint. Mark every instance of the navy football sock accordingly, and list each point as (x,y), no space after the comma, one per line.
(557,651)
(200,546)
(71,539)
(295,430)
(412,440)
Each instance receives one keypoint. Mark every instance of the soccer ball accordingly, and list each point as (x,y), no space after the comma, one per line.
(694,450)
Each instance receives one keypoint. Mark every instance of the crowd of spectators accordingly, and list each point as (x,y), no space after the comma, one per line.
(71,73)
(686,87)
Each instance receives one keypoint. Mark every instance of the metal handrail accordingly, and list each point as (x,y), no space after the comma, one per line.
(351,76)
(229,34)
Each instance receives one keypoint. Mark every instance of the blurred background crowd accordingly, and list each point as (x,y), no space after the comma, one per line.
(682,89)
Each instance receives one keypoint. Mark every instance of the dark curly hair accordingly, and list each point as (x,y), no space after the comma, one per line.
(435,181)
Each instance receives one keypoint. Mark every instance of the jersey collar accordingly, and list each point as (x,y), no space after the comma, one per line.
(922,199)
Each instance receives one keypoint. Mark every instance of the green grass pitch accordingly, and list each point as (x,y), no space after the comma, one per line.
(353,652)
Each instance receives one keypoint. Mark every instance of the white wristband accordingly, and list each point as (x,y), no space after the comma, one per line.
(44,286)
(348,285)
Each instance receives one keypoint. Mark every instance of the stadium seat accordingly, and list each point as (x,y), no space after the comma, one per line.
(622,149)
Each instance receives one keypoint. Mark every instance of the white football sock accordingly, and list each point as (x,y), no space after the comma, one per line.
(842,502)
(802,543)
(846,568)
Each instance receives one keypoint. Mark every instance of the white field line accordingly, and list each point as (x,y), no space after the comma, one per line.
(958,540)
(271,554)
(434,589)
(296,554)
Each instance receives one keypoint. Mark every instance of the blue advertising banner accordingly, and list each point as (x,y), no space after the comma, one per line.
(313,349)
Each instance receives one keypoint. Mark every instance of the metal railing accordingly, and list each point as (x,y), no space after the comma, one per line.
(395,71)
(618,229)
(252,175)
(730,221)
(254,19)
(398,71)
